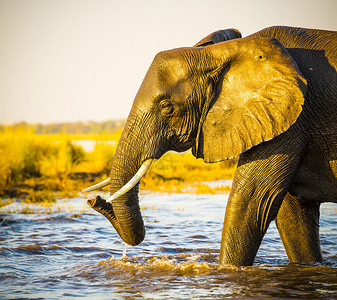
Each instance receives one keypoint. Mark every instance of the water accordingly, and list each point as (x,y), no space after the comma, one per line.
(70,251)
(89,145)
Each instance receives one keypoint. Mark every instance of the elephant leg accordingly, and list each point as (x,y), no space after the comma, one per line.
(258,190)
(261,182)
(298,224)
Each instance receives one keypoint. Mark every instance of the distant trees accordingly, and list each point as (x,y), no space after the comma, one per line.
(89,127)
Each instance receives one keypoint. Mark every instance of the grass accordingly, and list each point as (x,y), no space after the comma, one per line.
(176,173)
(38,168)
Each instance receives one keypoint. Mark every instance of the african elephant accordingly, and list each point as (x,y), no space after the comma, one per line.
(269,98)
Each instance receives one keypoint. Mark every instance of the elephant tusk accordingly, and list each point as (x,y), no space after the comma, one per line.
(97,186)
(133,181)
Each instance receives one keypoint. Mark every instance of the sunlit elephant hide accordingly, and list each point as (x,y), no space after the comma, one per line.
(269,98)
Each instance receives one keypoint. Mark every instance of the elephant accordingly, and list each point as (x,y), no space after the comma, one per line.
(269,99)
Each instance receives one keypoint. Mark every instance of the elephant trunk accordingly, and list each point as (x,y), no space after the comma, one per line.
(122,208)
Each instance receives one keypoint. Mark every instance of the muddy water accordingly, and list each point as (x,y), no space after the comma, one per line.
(70,251)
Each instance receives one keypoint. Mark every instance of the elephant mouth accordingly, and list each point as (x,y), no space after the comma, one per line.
(133,181)
(127,187)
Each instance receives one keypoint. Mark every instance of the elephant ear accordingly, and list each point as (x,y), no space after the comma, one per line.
(219,36)
(259,93)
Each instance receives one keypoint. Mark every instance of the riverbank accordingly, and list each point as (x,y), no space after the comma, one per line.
(43,167)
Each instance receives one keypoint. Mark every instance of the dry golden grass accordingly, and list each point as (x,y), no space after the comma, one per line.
(175,172)
(40,167)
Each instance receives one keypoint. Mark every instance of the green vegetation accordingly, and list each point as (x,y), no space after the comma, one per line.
(39,167)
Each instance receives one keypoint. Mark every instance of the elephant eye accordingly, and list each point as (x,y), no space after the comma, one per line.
(166,107)
(260,57)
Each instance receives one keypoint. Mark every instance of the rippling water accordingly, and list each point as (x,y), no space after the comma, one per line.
(71,251)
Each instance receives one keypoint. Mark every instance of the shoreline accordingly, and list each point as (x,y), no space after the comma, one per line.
(47,190)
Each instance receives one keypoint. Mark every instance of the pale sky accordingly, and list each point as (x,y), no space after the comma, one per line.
(80,60)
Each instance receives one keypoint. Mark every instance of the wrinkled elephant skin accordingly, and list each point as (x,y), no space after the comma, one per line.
(269,98)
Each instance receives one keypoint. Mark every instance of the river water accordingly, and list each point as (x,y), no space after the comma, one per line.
(70,251)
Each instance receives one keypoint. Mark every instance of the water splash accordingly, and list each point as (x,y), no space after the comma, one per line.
(71,251)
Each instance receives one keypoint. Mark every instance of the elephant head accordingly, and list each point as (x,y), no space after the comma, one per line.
(220,98)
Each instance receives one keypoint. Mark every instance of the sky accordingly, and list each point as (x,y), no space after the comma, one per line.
(81,60)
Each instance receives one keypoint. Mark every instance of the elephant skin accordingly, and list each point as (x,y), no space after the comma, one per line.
(269,98)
